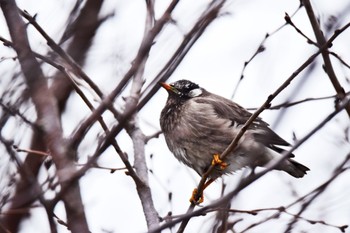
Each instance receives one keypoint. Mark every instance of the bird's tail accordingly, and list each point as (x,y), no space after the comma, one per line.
(294,168)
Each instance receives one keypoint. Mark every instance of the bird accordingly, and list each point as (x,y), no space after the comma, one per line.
(199,125)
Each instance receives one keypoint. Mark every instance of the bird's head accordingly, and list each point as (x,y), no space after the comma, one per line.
(182,89)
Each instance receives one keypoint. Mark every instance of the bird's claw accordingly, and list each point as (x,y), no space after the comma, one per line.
(195,199)
(217,161)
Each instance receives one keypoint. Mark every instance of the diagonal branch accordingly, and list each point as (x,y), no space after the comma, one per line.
(321,40)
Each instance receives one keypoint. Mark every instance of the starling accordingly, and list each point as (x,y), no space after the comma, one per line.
(198,125)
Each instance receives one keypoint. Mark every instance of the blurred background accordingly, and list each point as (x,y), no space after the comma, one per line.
(242,50)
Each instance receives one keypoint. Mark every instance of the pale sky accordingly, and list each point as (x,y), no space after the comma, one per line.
(215,63)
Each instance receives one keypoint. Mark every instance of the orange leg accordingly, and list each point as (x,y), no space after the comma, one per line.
(197,198)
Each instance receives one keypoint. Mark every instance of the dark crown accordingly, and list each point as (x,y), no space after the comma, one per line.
(184,86)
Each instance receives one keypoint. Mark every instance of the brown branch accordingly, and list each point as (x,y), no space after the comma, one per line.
(188,41)
(31,151)
(22,200)
(110,169)
(290,22)
(340,59)
(86,25)
(47,114)
(70,81)
(15,112)
(75,67)
(321,40)
(154,135)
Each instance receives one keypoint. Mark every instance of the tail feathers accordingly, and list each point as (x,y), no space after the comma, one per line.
(294,168)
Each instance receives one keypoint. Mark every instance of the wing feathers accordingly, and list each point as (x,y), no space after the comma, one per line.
(229,110)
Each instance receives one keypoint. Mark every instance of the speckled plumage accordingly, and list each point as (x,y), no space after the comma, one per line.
(198,124)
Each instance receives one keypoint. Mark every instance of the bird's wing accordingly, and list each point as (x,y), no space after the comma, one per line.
(228,109)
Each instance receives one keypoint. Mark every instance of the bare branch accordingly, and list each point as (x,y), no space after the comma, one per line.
(141,55)
(15,112)
(321,40)
(291,104)
(76,68)
(289,21)
(340,59)
(137,136)
(261,48)
(47,112)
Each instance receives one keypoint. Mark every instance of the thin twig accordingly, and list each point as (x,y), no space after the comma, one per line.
(290,22)
(321,40)
(15,112)
(107,101)
(340,59)
(290,104)
(76,68)
(259,50)
(337,171)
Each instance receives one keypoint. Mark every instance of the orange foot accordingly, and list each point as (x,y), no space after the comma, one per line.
(194,198)
(217,161)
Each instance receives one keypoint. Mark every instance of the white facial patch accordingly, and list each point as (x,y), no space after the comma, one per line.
(195,92)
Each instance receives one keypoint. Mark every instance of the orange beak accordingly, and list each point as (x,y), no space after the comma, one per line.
(169,88)
(166,86)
